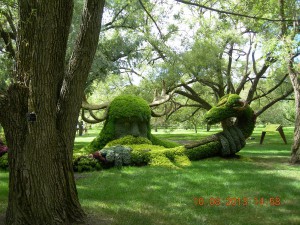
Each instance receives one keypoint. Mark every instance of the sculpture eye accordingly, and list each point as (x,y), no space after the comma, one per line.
(221,103)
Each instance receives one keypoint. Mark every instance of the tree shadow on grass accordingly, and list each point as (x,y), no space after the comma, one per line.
(165,196)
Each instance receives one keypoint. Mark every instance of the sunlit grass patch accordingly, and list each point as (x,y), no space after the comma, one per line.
(166,196)
(238,191)
(3,190)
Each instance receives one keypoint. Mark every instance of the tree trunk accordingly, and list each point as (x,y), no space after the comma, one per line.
(295,78)
(80,131)
(42,188)
(195,128)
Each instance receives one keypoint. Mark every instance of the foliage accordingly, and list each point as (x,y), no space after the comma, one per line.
(164,143)
(134,154)
(159,156)
(204,151)
(169,197)
(126,106)
(2,137)
(129,140)
(4,162)
(123,106)
(283,113)
(84,163)
(162,152)
(119,155)
(230,106)
(178,43)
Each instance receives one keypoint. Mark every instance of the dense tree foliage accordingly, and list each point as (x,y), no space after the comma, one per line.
(199,51)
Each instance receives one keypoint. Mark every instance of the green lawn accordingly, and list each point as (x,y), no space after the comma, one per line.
(259,187)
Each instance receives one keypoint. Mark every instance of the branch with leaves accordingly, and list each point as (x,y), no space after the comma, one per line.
(235,13)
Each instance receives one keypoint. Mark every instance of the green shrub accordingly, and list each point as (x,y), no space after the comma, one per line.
(141,154)
(119,155)
(155,155)
(4,162)
(182,160)
(2,137)
(85,163)
(159,159)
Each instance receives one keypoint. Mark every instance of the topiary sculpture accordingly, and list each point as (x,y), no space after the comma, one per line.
(127,115)
(232,139)
(128,124)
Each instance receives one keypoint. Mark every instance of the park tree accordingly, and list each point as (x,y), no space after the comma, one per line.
(225,48)
(214,48)
(290,30)
(40,107)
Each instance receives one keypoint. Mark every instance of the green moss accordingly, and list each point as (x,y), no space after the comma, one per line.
(224,109)
(155,152)
(159,159)
(126,106)
(155,155)
(182,161)
(204,151)
(164,143)
(123,106)
(230,106)
(247,123)
(129,140)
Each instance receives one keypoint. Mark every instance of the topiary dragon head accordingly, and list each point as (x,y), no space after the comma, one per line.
(230,105)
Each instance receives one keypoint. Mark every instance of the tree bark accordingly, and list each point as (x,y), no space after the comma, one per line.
(42,188)
(295,78)
(294,74)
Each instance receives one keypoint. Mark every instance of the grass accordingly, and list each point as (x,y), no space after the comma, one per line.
(157,195)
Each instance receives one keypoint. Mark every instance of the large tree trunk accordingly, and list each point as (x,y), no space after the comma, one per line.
(294,74)
(42,188)
(295,78)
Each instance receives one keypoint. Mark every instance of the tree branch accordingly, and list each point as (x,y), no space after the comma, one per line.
(72,90)
(196,98)
(9,18)
(234,13)
(269,60)
(115,17)
(160,33)
(7,38)
(272,89)
(274,101)
(230,88)
(247,72)
(87,120)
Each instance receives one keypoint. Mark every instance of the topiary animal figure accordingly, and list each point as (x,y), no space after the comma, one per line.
(128,124)
(232,139)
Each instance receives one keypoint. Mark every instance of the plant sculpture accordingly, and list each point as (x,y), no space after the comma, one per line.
(127,125)
(232,139)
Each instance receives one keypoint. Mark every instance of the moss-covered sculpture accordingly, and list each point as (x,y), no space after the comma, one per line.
(127,115)
(232,139)
(128,124)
